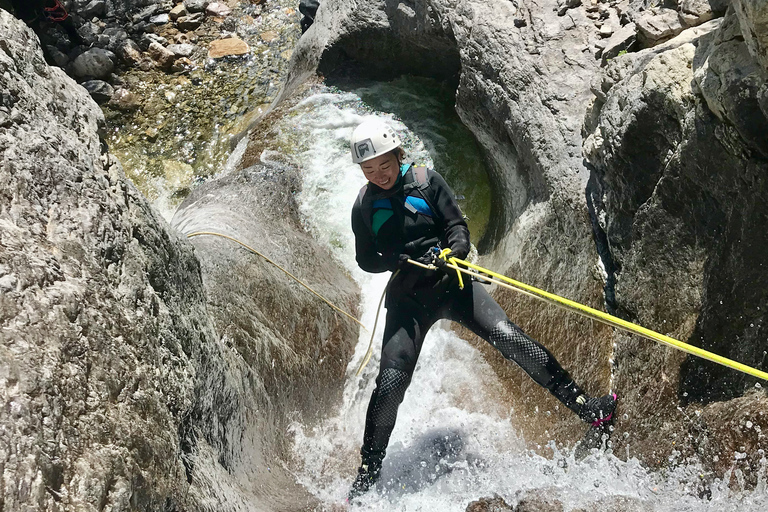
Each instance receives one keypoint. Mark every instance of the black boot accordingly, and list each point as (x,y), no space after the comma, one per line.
(595,411)
(367,475)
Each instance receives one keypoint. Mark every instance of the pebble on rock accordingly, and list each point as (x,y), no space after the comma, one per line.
(181,50)
(124,100)
(196,5)
(161,55)
(160,19)
(191,22)
(218,9)
(225,47)
(177,12)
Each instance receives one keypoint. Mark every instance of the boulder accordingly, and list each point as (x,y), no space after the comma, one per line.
(226,47)
(99,90)
(94,8)
(696,12)
(621,40)
(177,12)
(753,18)
(657,26)
(94,63)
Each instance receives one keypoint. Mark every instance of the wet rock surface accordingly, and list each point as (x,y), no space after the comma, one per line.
(132,378)
(671,159)
(102,308)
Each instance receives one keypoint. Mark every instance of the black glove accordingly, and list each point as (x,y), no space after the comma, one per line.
(428,258)
(402,261)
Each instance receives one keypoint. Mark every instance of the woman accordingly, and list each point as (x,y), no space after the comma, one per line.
(409,212)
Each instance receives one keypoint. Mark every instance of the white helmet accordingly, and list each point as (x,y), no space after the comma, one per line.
(371,139)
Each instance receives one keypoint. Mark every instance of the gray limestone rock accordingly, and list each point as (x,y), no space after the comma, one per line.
(696,12)
(190,22)
(95,63)
(99,90)
(753,17)
(103,308)
(730,79)
(132,378)
(196,5)
(621,40)
(675,142)
(657,26)
(181,50)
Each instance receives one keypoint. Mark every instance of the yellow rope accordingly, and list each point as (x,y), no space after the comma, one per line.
(302,283)
(599,316)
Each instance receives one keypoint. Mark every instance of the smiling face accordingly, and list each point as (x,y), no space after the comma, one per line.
(382,171)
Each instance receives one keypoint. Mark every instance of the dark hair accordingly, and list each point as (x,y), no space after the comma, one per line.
(399,153)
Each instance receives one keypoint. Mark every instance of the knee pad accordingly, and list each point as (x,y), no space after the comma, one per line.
(528,353)
(390,390)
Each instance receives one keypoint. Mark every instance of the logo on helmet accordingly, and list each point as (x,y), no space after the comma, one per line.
(364,147)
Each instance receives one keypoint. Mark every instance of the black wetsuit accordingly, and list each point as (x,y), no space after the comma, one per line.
(417,298)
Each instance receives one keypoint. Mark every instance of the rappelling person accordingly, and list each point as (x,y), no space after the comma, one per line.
(408,212)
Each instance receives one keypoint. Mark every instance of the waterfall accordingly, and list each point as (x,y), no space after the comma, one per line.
(454,441)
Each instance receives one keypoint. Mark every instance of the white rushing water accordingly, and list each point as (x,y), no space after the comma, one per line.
(454,441)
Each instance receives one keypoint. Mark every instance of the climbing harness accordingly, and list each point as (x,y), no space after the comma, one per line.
(57,13)
(599,316)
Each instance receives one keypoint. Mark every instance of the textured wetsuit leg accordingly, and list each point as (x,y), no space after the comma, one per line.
(476,310)
(403,336)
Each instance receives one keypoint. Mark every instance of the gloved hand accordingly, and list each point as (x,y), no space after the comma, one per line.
(402,261)
(428,258)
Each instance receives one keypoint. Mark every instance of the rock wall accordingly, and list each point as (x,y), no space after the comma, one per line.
(678,146)
(132,379)
(103,310)
(646,225)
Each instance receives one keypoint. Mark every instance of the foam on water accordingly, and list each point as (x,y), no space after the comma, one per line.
(454,441)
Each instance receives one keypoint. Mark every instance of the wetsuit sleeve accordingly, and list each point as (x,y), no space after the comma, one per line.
(365,247)
(454,225)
